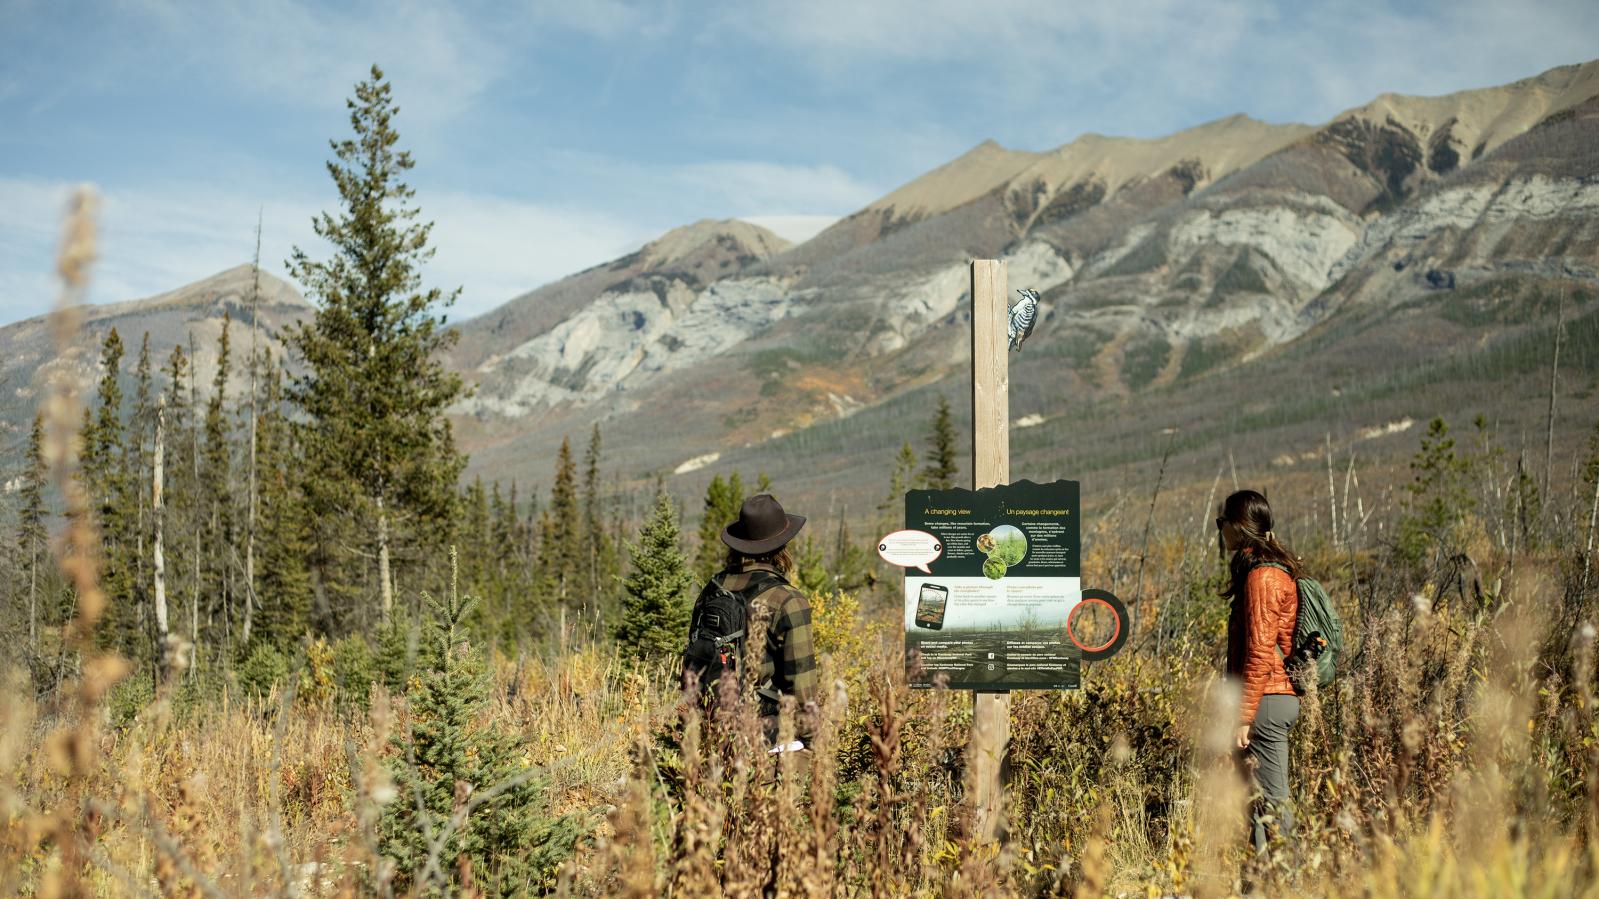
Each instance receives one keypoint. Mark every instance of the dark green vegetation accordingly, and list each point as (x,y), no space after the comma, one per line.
(497,833)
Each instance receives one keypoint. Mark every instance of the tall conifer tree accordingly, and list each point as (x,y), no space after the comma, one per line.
(655,600)
(722,502)
(104,472)
(284,583)
(32,536)
(561,534)
(217,476)
(941,466)
(374,390)
(183,501)
(600,561)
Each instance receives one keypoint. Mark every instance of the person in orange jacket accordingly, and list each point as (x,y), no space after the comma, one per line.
(1260,635)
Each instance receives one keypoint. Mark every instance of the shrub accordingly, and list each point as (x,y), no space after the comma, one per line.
(264,668)
(469,812)
(354,671)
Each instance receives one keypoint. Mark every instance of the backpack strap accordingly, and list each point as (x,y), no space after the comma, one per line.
(1284,569)
(761,581)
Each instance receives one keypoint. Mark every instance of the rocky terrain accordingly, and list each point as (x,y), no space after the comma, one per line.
(191,315)
(1357,256)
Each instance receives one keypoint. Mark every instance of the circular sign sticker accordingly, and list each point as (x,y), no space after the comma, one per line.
(1096,647)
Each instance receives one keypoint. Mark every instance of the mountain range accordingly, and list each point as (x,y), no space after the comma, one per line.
(1240,290)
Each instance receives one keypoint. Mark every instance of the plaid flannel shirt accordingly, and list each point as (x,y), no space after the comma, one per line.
(788,665)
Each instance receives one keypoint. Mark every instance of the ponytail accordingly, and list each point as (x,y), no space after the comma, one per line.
(1251,515)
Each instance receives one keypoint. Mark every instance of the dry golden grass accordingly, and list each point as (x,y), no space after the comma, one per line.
(1449,759)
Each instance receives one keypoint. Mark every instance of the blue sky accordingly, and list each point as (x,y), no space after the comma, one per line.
(550,136)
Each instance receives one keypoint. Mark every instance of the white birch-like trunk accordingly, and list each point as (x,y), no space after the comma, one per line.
(385,585)
(1593,518)
(158,517)
(1554,374)
(1332,494)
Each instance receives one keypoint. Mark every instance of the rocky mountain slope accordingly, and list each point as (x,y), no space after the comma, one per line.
(1163,263)
(1235,259)
(192,315)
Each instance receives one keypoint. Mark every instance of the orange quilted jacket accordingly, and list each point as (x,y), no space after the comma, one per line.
(1262,623)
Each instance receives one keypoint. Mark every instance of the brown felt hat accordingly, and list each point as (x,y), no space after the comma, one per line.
(762,526)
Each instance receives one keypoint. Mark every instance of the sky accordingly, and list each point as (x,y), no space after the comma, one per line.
(552,136)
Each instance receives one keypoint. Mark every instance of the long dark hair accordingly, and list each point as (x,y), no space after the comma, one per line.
(779,558)
(1251,514)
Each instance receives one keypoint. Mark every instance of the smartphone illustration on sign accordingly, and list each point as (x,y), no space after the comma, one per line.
(930,606)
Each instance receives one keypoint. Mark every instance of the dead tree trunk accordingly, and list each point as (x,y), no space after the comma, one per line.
(158,519)
(385,584)
(1554,373)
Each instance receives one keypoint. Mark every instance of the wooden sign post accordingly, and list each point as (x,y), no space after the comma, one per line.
(990,467)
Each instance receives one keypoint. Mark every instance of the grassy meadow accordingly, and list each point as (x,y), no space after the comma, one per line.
(1454,756)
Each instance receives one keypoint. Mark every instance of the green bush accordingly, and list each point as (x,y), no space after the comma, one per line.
(264,668)
(354,671)
(447,754)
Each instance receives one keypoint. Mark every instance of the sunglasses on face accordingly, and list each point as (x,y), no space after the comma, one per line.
(1219,522)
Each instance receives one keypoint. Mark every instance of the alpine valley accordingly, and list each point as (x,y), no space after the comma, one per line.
(1239,296)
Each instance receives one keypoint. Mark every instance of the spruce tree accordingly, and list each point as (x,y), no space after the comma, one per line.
(31,534)
(105,475)
(284,582)
(137,459)
(500,574)
(722,502)
(501,524)
(513,843)
(374,390)
(655,599)
(1437,498)
(475,538)
(561,532)
(102,431)
(851,567)
(941,467)
(810,568)
(599,562)
(216,484)
(902,477)
(183,501)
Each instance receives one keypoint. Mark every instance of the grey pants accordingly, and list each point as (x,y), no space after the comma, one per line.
(1268,748)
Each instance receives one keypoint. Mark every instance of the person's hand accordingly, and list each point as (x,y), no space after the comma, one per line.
(1242,736)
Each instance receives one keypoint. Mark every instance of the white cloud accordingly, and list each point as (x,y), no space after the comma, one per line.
(498,248)
(439,58)
(1142,66)
(748,185)
(674,194)
(155,240)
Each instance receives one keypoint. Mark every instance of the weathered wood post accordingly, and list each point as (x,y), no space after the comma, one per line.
(990,467)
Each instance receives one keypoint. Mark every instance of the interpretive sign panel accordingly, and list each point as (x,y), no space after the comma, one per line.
(994,610)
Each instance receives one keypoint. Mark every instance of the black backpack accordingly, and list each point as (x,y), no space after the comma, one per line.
(719,627)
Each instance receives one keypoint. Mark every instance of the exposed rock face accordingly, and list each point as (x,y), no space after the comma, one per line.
(1487,207)
(1160,262)
(1303,240)
(622,337)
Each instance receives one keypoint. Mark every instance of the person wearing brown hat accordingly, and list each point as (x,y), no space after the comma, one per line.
(778,652)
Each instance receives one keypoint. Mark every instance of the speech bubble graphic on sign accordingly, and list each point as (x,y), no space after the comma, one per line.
(911,549)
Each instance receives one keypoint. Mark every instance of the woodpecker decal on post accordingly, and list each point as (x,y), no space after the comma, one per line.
(1022,316)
